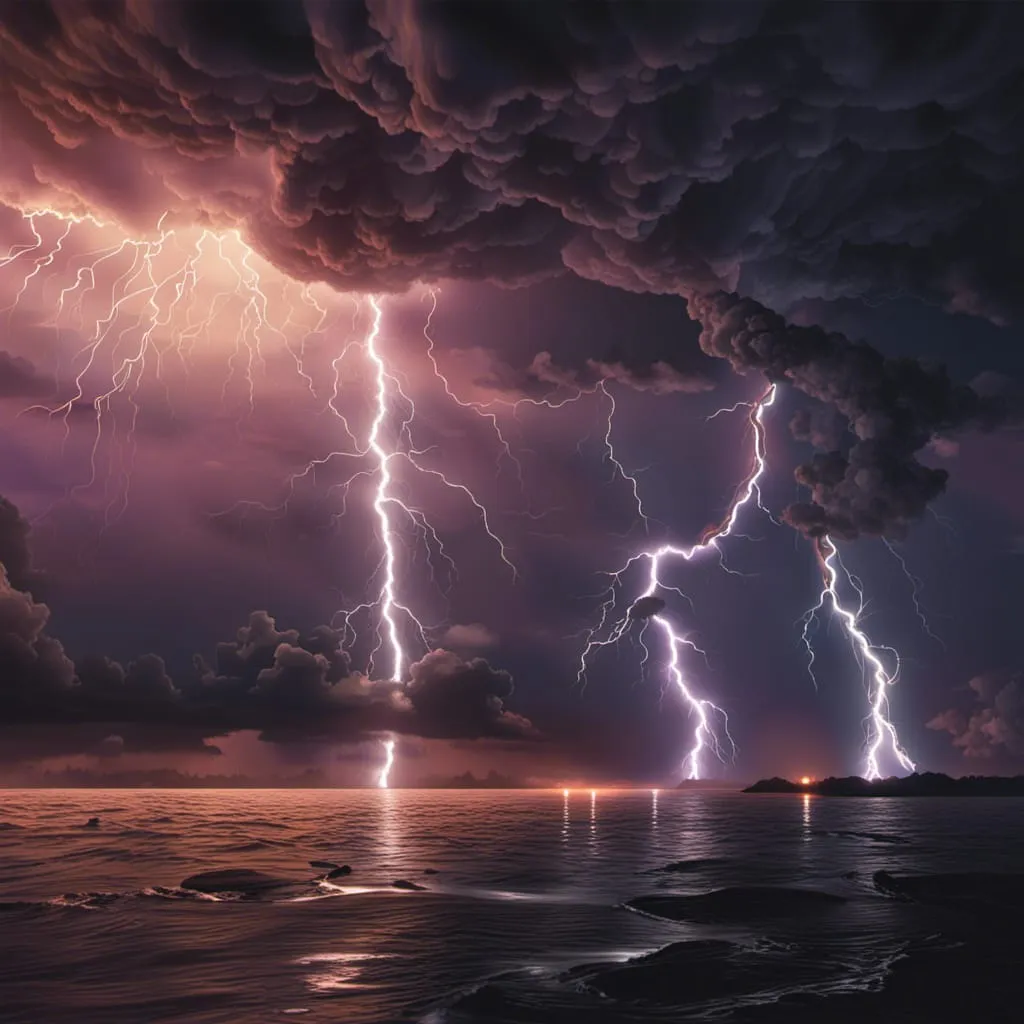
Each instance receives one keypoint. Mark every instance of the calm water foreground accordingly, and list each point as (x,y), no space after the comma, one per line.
(524,919)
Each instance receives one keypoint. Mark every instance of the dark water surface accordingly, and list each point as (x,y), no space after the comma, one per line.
(526,918)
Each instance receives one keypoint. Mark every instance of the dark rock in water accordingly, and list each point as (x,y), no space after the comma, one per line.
(243,880)
(980,892)
(875,837)
(680,974)
(850,875)
(93,823)
(324,865)
(740,903)
(693,865)
(401,883)
(338,872)
(430,871)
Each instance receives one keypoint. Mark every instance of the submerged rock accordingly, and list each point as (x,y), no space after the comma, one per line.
(401,883)
(739,903)
(93,823)
(982,891)
(430,871)
(693,865)
(243,880)
(324,865)
(680,974)
(338,872)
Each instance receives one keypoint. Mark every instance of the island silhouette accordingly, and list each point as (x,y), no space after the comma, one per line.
(918,784)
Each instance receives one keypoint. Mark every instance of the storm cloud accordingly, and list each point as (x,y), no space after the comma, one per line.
(732,154)
(286,685)
(996,724)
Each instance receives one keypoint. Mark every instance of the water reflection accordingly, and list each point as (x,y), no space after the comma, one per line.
(593,821)
(390,827)
(807,816)
(565,816)
(654,810)
(336,972)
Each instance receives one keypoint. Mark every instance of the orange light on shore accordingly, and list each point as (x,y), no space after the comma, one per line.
(805,780)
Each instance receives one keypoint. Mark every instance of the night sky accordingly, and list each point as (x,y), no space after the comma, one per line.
(655,208)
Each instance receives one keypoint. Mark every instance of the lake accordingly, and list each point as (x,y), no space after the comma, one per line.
(522,915)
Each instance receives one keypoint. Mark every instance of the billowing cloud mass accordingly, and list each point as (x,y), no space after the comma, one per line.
(15,554)
(894,407)
(659,377)
(283,684)
(470,636)
(769,151)
(997,727)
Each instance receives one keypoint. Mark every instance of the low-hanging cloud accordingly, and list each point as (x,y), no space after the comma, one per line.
(997,725)
(727,153)
(280,682)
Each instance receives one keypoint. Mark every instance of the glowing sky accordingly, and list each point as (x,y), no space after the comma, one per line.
(168,417)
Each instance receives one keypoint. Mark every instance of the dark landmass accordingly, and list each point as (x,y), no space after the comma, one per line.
(698,785)
(467,780)
(737,903)
(924,784)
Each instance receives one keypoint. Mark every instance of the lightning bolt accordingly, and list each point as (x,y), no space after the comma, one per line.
(880,726)
(381,499)
(916,587)
(386,447)
(162,292)
(648,606)
(389,759)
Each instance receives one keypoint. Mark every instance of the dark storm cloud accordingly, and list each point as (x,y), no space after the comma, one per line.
(994,728)
(722,152)
(658,377)
(788,149)
(894,407)
(461,699)
(284,684)
(15,554)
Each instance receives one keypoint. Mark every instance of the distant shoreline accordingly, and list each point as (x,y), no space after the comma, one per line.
(924,784)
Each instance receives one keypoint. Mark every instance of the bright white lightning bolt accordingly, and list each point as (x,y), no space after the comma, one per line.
(389,759)
(143,300)
(880,726)
(705,735)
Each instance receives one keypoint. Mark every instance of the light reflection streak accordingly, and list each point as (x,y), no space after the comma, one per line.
(337,972)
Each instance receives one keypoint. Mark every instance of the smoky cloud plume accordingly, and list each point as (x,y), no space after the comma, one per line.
(743,156)
(893,407)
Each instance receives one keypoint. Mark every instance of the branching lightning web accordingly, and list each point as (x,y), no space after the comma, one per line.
(650,607)
(880,727)
(139,302)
